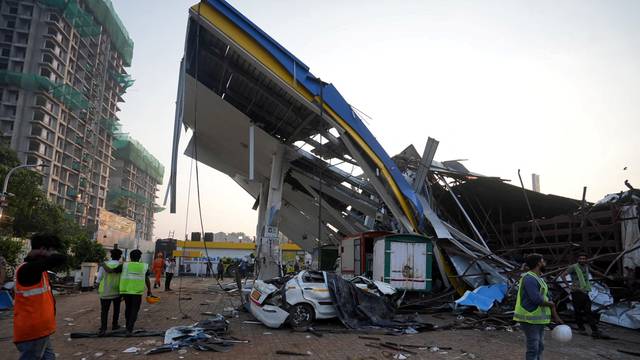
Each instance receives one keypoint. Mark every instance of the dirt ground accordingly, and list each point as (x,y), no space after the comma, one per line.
(80,312)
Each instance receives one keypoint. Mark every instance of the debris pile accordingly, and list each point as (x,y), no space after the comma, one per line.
(207,335)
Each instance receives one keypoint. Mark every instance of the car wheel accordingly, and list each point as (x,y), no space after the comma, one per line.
(301,315)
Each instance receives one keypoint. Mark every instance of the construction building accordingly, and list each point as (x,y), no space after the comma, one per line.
(133,183)
(62,76)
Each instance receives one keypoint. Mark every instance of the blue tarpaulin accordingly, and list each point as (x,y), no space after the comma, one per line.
(6,302)
(483,297)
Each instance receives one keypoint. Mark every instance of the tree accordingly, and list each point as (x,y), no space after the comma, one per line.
(29,212)
(11,250)
(86,250)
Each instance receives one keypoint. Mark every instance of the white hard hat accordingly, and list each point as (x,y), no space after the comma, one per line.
(561,333)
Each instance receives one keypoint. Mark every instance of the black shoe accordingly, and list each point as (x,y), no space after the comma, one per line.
(102,332)
(115,327)
(129,333)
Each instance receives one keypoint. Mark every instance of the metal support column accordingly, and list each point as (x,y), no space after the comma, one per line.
(268,238)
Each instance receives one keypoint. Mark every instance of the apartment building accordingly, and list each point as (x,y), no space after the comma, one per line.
(133,184)
(62,76)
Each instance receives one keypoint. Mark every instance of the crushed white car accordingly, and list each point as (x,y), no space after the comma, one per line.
(302,298)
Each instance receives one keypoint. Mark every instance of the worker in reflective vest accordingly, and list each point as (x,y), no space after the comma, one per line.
(34,307)
(109,291)
(133,279)
(580,288)
(533,306)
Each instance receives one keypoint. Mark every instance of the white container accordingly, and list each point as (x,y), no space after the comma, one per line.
(404,261)
(89,272)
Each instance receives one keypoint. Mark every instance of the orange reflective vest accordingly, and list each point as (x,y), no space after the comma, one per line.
(34,310)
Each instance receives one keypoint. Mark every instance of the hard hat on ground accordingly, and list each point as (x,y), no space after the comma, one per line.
(152,299)
(561,333)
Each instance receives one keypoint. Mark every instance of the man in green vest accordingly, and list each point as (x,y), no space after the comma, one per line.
(109,291)
(534,307)
(133,279)
(580,288)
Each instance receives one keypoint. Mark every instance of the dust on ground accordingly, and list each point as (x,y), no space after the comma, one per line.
(80,312)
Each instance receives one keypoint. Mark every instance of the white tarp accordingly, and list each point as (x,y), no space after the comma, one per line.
(630,235)
(623,314)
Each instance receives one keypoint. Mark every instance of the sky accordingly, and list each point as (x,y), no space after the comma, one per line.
(548,87)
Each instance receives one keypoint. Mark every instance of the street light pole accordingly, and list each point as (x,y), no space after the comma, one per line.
(3,195)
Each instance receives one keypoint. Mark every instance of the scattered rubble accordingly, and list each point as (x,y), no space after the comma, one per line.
(207,335)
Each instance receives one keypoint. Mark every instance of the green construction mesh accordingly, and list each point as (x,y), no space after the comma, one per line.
(69,96)
(110,124)
(80,20)
(129,149)
(101,12)
(106,15)
(124,80)
(114,194)
(24,81)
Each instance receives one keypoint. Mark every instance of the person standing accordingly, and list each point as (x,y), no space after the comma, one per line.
(133,279)
(109,292)
(243,268)
(580,288)
(158,267)
(168,275)
(220,270)
(534,307)
(34,316)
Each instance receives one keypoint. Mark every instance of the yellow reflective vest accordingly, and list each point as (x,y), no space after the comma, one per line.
(132,279)
(542,314)
(109,287)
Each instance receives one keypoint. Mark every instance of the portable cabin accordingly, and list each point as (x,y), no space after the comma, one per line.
(404,261)
(356,253)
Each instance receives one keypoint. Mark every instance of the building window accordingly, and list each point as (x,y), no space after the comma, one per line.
(19,52)
(17,66)
(5,52)
(12,96)
(27,10)
(48,44)
(22,39)
(45,72)
(9,111)
(32,160)
(36,130)
(47,59)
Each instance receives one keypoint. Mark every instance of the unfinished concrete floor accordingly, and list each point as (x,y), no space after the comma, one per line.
(81,313)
